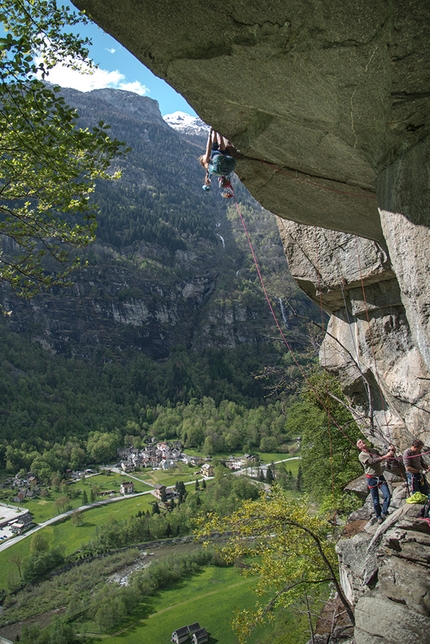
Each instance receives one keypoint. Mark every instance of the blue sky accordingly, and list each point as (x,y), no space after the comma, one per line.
(120,70)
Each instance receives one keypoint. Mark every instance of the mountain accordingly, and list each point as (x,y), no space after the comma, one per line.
(191,127)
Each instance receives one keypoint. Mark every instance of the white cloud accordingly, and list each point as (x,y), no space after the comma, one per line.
(135,87)
(111,51)
(98,79)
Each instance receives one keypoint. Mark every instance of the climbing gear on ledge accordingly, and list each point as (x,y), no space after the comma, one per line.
(417,497)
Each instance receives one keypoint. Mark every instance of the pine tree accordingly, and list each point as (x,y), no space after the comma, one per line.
(299,481)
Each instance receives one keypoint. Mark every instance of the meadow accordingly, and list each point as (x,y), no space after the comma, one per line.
(208,597)
(69,537)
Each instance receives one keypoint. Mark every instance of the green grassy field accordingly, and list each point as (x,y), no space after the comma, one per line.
(208,597)
(43,509)
(182,473)
(71,538)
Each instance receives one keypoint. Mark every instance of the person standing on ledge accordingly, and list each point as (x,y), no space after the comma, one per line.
(415,467)
(373,464)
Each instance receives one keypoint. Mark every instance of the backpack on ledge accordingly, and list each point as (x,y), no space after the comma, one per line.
(221,165)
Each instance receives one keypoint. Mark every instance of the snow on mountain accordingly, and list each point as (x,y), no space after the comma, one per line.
(186,124)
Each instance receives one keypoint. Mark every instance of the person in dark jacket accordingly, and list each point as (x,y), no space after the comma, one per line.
(373,463)
(415,467)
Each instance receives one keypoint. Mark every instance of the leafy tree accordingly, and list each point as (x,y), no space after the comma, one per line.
(288,549)
(39,542)
(84,497)
(155,508)
(62,504)
(77,519)
(329,434)
(40,563)
(48,166)
(18,560)
(102,446)
(299,480)
(59,634)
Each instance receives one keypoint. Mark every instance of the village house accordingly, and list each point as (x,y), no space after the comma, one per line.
(247,460)
(161,490)
(233,464)
(183,634)
(200,637)
(180,635)
(153,455)
(127,487)
(22,524)
(207,470)
(107,493)
(167,464)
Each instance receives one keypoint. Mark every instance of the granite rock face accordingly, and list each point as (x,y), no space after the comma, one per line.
(385,575)
(371,343)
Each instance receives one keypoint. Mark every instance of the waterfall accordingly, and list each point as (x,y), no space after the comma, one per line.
(221,238)
(284,317)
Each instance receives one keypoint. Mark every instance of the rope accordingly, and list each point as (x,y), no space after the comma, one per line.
(363,290)
(320,286)
(266,295)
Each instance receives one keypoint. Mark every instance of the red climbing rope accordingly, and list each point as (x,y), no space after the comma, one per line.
(266,295)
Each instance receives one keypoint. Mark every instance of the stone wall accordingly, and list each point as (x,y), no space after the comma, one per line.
(370,342)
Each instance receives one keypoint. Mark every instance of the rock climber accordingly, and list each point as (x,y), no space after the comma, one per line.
(373,464)
(415,467)
(217,161)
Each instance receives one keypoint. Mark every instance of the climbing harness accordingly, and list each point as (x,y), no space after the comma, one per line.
(226,187)
(379,483)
